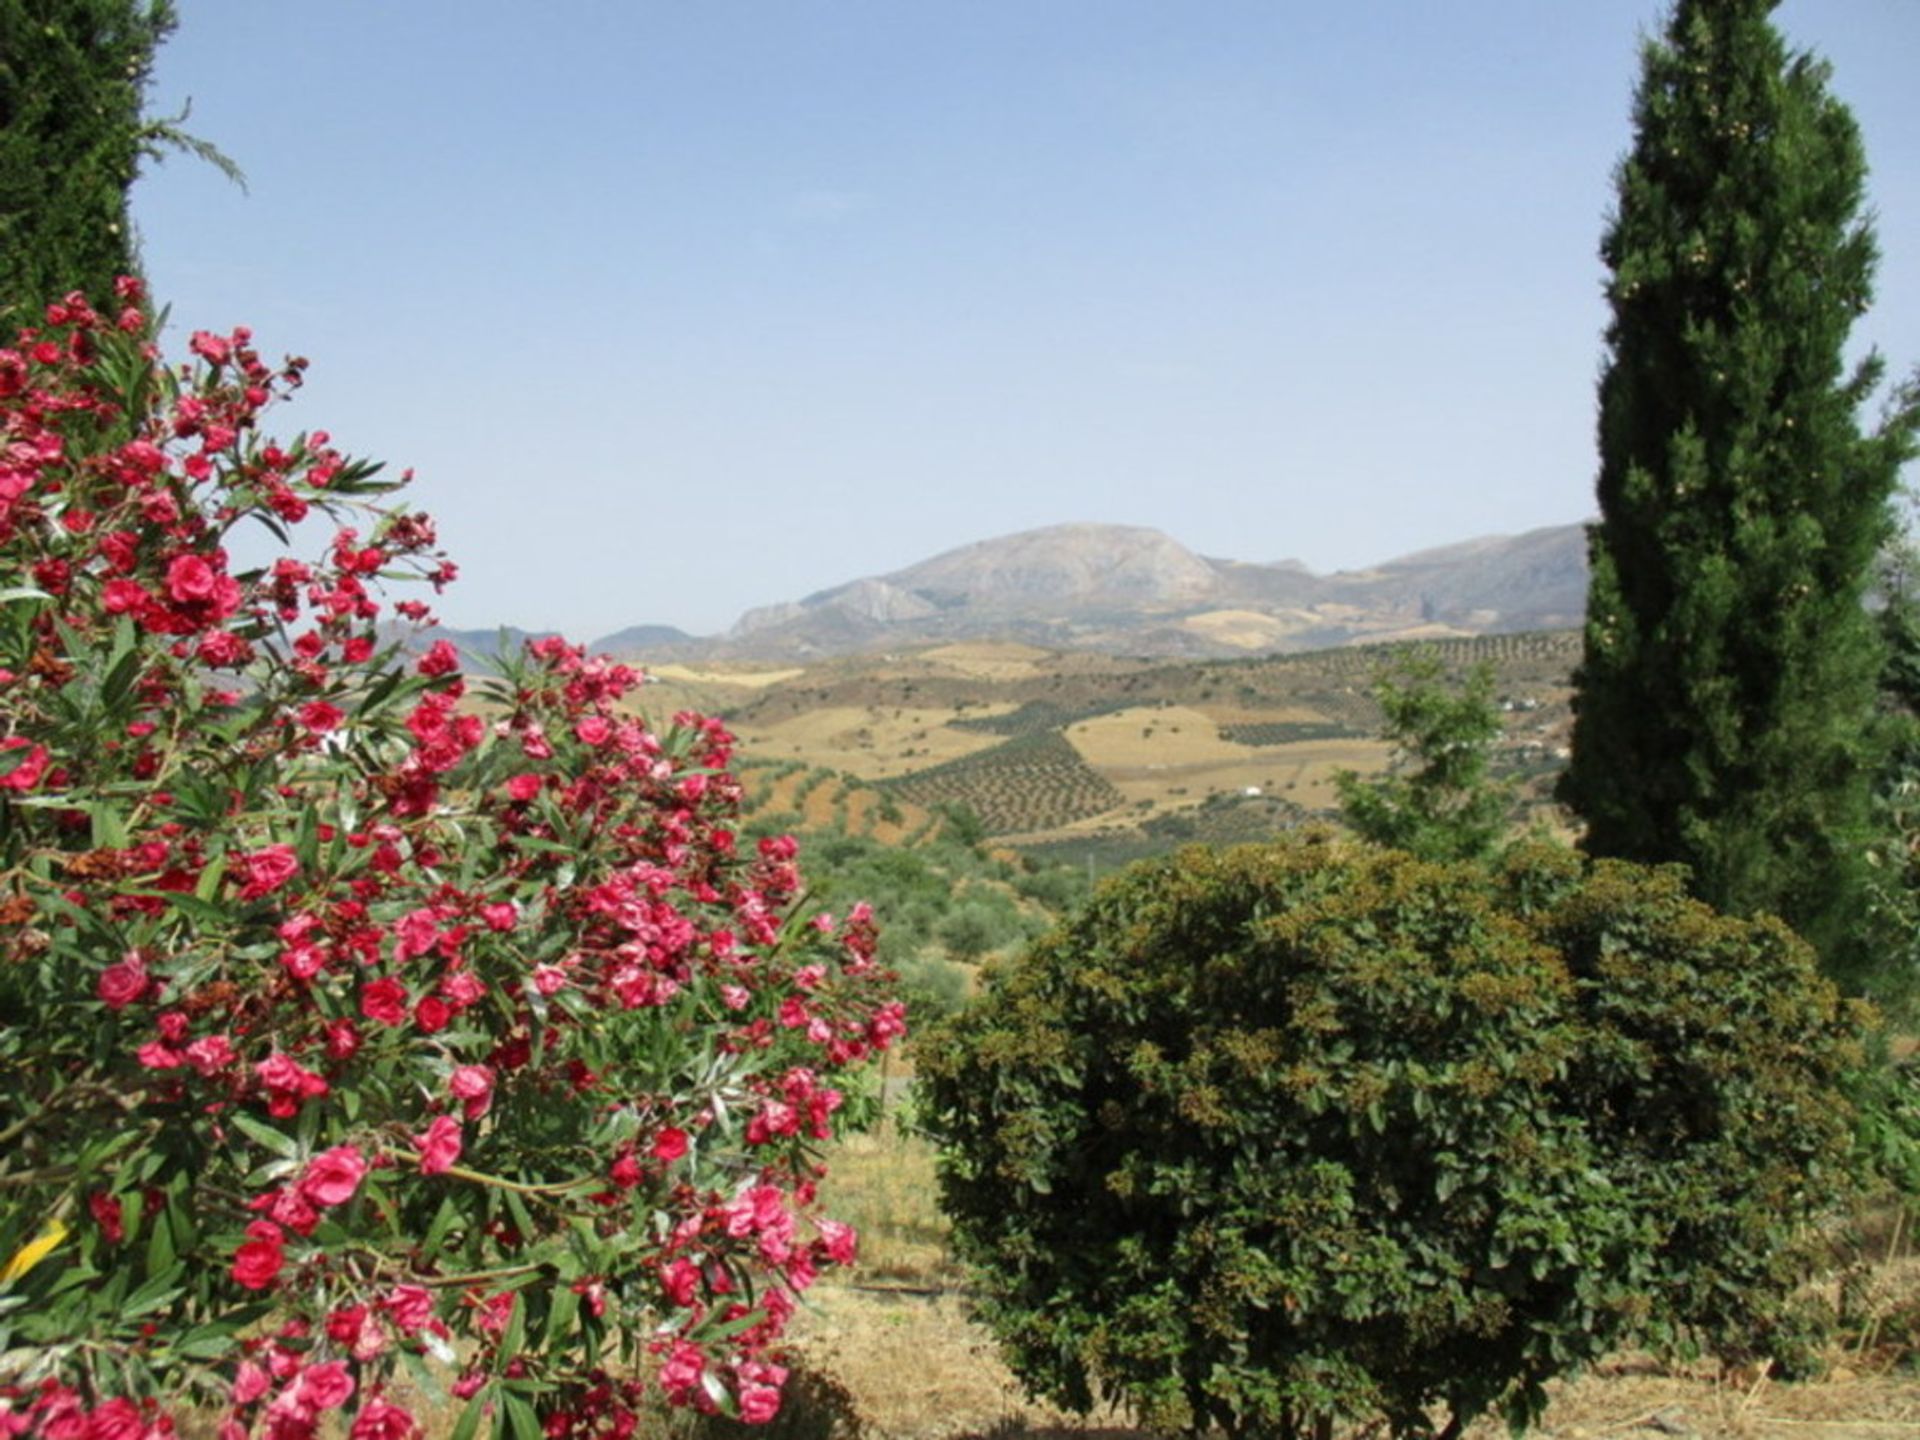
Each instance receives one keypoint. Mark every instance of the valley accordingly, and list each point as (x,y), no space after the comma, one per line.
(1069,752)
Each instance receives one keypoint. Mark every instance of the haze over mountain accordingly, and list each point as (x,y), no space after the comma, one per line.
(1131,590)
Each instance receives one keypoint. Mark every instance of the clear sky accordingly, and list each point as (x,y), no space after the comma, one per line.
(682,306)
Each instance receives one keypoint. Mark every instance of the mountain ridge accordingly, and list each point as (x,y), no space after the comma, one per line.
(1131,589)
(1134,590)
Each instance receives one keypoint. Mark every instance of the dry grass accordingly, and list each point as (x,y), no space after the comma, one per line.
(747,679)
(1149,735)
(1172,757)
(882,1183)
(873,742)
(918,1368)
(1245,629)
(988,661)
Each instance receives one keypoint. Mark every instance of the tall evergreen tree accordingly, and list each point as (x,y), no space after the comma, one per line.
(73,76)
(1725,701)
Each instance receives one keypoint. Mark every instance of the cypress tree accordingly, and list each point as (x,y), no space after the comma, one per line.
(73,74)
(1725,701)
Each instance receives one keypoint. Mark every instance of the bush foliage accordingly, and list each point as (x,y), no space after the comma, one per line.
(1317,1130)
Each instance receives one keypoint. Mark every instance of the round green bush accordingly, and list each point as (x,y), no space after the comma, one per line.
(1313,1131)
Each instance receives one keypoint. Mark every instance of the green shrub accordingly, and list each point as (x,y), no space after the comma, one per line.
(932,987)
(1315,1130)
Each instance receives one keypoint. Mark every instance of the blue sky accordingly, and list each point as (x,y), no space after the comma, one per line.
(679,308)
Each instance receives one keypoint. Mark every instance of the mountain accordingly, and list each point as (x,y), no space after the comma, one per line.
(1126,589)
(651,638)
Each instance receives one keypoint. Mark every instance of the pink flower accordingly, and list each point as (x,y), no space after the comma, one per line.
(680,1278)
(326,1386)
(256,1264)
(841,1240)
(440,659)
(116,1419)
(209,347)
(491,1315)
(118,597)
(462,989)
(670,1143)
(287,1207)
(107,1215)
(439,1144)
(472,1084)
(250,1382)
(523,787)
(759,1403)
(266,869)
(414,934)
(343,1040)
(385,1001)
(288,1084)
(334,1175)
(594,730)
(345,1324)
(26,772)
(381,1420)
(191,580)
(320,717)
(682,1370)
(411,1307)
(122,984)
(210,1054)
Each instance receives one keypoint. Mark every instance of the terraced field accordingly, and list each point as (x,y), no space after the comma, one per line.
(1039,744)
(820,799)
(1287,732)
(1032,783)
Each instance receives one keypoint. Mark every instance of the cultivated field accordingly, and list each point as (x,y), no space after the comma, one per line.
(1046,747)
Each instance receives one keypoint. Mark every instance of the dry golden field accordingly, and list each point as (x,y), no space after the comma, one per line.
(870,741)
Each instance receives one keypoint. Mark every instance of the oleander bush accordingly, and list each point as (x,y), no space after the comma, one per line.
(347,1026)
(1291,1134)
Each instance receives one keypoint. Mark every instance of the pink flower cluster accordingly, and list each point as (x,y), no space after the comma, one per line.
(425,999)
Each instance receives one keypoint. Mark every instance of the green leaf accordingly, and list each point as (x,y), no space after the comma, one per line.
(561,1314)
(444,1221)
(514,1339)
(109,825)
(261,1133)
(522,1219)
(468,1424)
(151,1296)
(160,1248)
(206,1342)
(521,1419)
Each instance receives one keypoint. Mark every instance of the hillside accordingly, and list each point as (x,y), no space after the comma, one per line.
(1128,590)
(1066,752)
